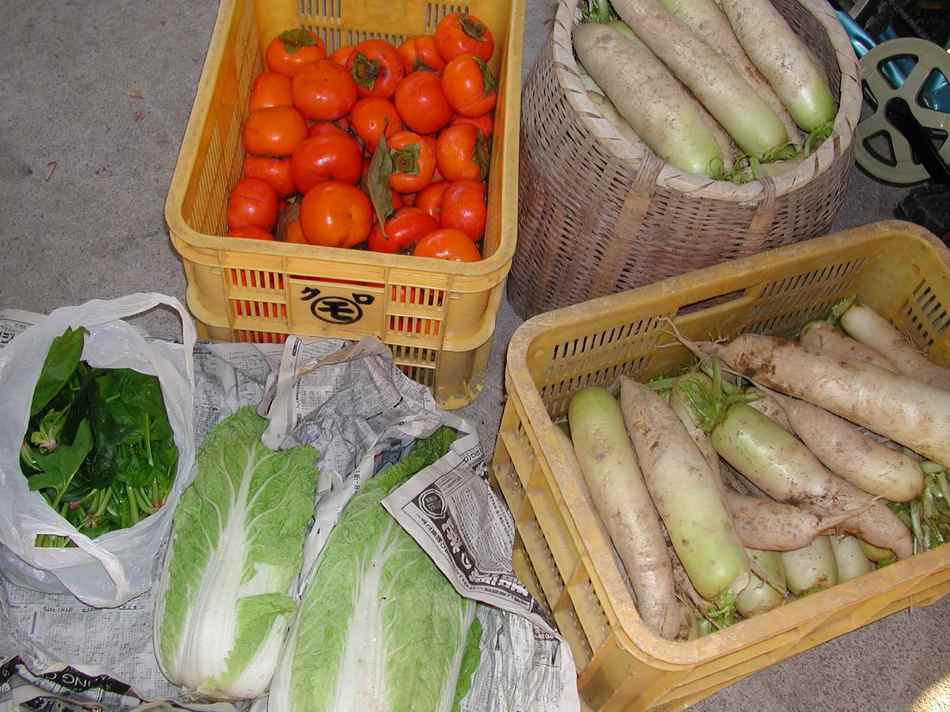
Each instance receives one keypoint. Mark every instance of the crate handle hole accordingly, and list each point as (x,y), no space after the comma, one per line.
(711,302)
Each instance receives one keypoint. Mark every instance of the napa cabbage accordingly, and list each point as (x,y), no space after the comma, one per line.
(235,551)
(378,628)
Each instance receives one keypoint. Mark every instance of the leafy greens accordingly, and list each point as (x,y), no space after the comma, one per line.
(99,446)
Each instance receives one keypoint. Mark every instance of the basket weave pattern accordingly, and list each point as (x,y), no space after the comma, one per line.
(599,215)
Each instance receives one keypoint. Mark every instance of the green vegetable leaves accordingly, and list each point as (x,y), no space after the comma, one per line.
(61,465)
(134,443)
(99,444)
(470,660)
(60,365)
(379,626)
(51,425)
(236,549)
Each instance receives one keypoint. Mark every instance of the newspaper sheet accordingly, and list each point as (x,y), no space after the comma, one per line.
(354,406)
(452,513)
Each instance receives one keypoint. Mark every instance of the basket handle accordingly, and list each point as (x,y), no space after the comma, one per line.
(762,219)
(629,222)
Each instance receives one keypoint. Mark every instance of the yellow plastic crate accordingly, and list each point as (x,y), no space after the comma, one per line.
(562,551)
(437,317)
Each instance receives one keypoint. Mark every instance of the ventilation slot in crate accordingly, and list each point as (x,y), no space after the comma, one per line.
(252,309)
(524,570)
(589,610)
(927,316)
(247,56)
(354,37)
(507,480)
(520,451)
(570,627)
(618,336)
(251,336)
(234,148)
(207,213)
(787,304)
(541,557)
(416,311)
(413,326)
(417,363)
(255,280)
(597,359)
(419,374)
(321,10)
(332,36)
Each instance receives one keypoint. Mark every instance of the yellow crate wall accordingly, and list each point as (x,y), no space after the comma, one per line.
(897,268)
(260,292)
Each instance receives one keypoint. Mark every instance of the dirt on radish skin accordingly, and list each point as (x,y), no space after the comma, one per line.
(762,596)
(820,337)
(686,493)
(706,20)
(851,454)
(784,59)
(669,119)
(909,412)
(850,558)
(709,76)
(771,409)
(609,467)
(781,465)
(811,568)
(876,332)
(773,526)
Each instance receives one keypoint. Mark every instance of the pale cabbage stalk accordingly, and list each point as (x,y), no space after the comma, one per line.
(236,549)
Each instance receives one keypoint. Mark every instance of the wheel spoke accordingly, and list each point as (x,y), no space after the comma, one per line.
(874,124)
(902,150)
(930,118)
(918,75)
(879,87)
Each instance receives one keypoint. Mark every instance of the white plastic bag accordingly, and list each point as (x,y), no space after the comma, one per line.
(119,565)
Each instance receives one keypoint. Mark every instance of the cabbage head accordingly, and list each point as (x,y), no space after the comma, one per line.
(379,628)
(235,551)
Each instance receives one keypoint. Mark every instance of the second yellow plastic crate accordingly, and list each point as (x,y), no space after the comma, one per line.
(562,552)
(438,317)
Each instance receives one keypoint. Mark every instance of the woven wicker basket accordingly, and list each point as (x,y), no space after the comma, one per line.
(600,215)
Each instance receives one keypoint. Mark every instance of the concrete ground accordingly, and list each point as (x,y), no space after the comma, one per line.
(94,97)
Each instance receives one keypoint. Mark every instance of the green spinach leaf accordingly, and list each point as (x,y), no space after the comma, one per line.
(134,441)
(61,362)
(60,466)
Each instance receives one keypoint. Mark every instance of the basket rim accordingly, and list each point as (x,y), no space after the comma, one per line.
(846,120)
(500,260)
(608,581)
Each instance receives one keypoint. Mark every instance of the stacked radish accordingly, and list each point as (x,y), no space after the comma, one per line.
(798,471)
(718,88)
